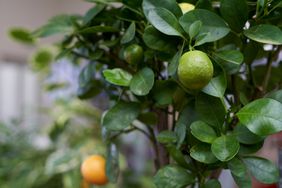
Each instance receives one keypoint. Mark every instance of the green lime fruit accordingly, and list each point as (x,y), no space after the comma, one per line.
(133,54)
(195,70)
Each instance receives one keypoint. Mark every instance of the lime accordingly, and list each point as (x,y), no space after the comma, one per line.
(195,70)
(186,7)
(133,54)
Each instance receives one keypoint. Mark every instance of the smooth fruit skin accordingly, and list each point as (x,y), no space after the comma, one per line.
(93,170)
(133,54)
(195,70)
(186,7)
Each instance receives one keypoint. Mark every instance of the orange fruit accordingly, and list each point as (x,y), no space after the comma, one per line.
(93,170)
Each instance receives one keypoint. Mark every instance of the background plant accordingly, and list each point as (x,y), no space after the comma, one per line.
(195,134)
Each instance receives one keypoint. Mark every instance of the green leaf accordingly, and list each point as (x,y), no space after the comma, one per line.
(246,149)
(262,169)
(87,74)
(62,24)
(178,157)
(91,13)
(262,116)
(239,172)
(97,29)
(173,63)
(61,161)
(166,137)
(245,136)
(163,20)
(112,163)
(170,5)
(129,34)
(117,76)
(163,92)
(194,28)
(211,23)
(149,118)
(230,60)
(203,131)
(202,153)
(121,116)
(142,82)
(210,109)
(237,167)
(213,183)
(225,147)
(235,12)
(21,35)
(41,59)
(276,95)
(216,87)
(173,176)
(186,117)
(159,41)
(265,33)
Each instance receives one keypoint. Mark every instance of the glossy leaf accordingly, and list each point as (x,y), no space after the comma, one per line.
(186,117)
(121,116)
(212,25)
(173,176)
(203,131)
(142,82)
(216,87)
(230,60)
(163,92)
(262,169)
(239,172)
(163,20)
(235,12)
(264,33)
(225,147)
(195,28)
(166,137)
(202,153)
(97,29)
(170,5)
(173,63)
(62,24)
(117,76)
(210,109)
(129,34)
(245,136)
(276,95)
(246,149)
(213,183)
(112,163)
(91,13)
(158,41)
(262,116)
(178,157)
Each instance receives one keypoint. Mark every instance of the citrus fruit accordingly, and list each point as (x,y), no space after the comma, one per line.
(93,170)
(186,7)
(195,70)
(133,54)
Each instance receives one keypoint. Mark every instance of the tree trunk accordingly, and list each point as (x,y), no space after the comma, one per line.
(162,156)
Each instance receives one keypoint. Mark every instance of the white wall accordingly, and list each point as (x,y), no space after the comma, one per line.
(30,14)
(20,89)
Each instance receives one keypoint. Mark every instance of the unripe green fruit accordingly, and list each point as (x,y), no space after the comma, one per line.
(133,54)
(195,70)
